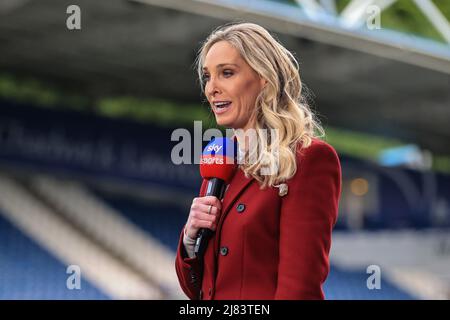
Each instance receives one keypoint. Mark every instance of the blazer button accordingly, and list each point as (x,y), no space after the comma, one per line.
(224,251)
(240,207)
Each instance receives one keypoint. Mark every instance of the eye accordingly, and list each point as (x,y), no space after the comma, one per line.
(227,73)
(205,77)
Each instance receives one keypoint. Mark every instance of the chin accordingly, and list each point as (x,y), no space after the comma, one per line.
(224,123)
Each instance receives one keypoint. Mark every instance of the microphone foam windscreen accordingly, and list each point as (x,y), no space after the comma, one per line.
(219,159)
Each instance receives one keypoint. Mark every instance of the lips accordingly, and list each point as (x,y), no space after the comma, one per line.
(221,106)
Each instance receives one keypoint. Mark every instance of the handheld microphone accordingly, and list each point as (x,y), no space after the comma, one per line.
(217,165)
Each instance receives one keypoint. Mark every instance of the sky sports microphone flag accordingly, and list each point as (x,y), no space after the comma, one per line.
(217,165)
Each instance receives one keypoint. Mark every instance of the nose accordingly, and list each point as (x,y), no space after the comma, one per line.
(212,88)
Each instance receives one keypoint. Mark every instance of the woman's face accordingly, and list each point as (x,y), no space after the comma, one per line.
(231,86)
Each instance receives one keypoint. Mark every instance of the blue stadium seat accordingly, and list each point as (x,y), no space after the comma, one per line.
(351,285)
(27,271)
(164,222)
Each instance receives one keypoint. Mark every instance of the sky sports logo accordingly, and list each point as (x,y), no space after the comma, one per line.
(217,159)
(214,147)
(212,160)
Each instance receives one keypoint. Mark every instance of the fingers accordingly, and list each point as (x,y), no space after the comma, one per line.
(204,212)
(209,200)
(197,224)
(200,212)
(205,208)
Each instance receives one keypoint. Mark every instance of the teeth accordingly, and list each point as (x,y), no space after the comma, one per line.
(218,104)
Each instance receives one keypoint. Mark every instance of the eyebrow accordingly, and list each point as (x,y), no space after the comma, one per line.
(222,65)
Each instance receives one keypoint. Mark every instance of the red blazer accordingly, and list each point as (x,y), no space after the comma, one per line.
(267,246)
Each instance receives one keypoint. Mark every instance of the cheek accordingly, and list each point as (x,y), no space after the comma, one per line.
(249,88)
(250,91)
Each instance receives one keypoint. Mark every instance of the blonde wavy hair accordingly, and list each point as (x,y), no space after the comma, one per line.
(279,105)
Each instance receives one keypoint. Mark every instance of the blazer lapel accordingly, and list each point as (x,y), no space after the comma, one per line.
(236,186)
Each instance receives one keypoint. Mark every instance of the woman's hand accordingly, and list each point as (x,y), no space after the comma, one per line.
(203,214)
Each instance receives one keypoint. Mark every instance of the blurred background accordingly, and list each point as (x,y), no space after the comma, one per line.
(91,205)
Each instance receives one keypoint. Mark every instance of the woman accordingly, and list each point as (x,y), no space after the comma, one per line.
(272,231)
